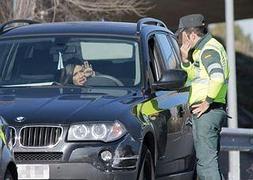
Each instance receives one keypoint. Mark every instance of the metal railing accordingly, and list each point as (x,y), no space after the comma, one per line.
(237,139)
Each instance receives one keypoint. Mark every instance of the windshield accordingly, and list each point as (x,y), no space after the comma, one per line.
(69,61)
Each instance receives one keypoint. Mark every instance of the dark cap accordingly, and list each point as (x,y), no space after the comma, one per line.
(192,20)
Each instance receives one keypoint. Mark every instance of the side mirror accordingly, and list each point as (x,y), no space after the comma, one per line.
(171,80)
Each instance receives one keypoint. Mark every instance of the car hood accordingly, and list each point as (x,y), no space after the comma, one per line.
(63,106)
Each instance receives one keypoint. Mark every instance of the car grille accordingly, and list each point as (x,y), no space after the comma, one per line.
(41,156)
(12,135)
(39,136)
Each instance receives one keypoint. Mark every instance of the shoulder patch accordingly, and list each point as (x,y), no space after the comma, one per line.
(210,54)
(207,56)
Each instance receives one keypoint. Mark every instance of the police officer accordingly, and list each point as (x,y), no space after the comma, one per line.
(205,61)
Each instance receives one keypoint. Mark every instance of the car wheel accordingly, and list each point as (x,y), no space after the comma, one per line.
(146,168)
(8,175)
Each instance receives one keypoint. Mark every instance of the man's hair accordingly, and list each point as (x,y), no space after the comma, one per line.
(200,31)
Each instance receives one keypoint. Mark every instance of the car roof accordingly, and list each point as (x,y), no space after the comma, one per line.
(79,27)
(89,27)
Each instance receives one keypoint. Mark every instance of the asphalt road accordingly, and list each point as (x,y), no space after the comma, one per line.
(246,166)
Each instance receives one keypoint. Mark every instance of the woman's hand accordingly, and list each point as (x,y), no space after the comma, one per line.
(88,72)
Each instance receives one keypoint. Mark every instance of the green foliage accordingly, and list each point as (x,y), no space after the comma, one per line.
(219,30)
(243,42)
(244,63)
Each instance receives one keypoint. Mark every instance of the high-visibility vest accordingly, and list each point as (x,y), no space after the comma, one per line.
(203,84)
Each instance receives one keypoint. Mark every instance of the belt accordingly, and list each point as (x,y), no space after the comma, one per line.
(216,105)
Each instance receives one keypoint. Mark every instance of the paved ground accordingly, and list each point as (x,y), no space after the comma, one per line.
(246,165)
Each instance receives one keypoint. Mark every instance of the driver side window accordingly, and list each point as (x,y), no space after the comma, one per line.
(169,57)
(155,58)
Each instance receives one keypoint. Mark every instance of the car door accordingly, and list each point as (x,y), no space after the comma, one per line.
(1,150)
(174,139)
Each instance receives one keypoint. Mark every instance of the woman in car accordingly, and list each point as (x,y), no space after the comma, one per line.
(76,72)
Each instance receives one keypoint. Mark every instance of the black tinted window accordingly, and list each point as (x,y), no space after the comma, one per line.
(169,57)
(155,57)
(175,45)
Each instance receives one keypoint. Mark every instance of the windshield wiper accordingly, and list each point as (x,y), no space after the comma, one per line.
(30,84)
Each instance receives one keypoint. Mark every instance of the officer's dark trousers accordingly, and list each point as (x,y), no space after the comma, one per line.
(206,134)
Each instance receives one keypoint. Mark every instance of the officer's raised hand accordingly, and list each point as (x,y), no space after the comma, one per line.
(186,46)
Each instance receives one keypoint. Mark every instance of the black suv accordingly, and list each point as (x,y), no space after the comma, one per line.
(129,121)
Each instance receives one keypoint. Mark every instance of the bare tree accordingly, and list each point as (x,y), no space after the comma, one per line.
(24,9)
(69,10)
(58,10)
(5,10)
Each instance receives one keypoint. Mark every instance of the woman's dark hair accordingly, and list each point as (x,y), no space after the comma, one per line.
(68,70)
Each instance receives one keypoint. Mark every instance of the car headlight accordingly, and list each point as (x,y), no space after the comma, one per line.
(96,131)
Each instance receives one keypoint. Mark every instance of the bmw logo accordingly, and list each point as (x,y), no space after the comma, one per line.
(20,119)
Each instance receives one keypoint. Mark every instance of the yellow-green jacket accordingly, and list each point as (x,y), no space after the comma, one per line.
(2,135)
(208,73)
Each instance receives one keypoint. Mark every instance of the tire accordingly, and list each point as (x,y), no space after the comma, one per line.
(8,175)
(146,167)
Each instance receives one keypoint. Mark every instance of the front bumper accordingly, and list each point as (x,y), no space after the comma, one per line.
(83,160)
(86,171)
